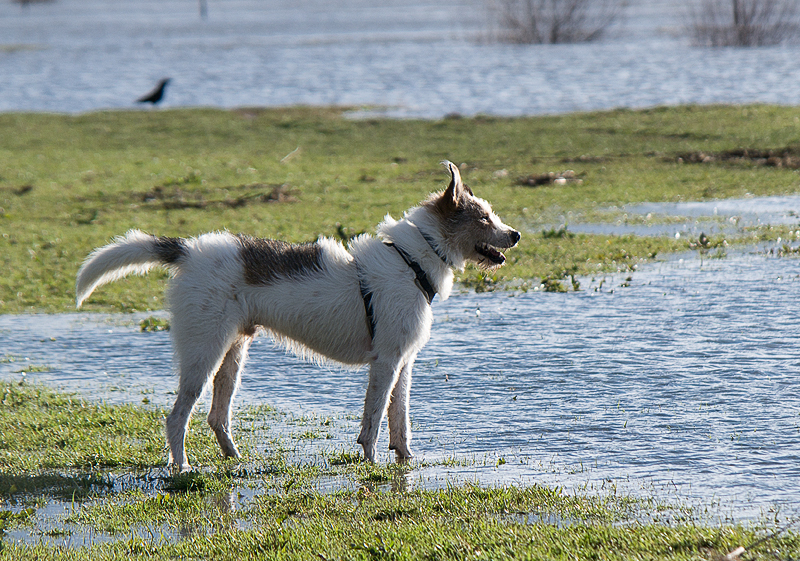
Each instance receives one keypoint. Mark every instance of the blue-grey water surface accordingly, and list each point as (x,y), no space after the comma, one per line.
(409,57)
(683,385)
(690,219)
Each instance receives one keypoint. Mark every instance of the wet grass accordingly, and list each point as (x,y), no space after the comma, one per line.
(42,429)
(70,183)
(270,505)
(152,324)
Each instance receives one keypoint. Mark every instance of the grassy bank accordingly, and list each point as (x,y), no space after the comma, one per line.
(70,183)
(60,448)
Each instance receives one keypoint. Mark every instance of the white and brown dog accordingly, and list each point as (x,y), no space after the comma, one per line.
(367,304)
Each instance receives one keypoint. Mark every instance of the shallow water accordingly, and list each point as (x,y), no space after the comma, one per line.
(412,58)
(750,211)
(691,218)
(683,385)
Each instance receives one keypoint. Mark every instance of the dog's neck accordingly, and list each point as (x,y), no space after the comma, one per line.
(418,237)
(435,248)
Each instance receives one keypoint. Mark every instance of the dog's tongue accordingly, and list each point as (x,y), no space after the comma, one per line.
(496,256)
(492,254)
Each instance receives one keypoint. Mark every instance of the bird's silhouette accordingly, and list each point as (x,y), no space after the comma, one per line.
(157,94)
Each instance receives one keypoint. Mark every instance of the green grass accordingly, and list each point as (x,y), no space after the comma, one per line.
(71,183)
(268,506)
(153,323)
(42,429)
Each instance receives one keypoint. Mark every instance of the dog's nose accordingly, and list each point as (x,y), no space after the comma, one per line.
(515,237)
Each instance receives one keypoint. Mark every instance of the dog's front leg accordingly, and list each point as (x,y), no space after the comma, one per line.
(382,378)
(399,419)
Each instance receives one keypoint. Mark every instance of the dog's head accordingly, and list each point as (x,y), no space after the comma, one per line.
(468,225)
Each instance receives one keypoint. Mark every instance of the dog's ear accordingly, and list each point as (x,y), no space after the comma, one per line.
(456,189)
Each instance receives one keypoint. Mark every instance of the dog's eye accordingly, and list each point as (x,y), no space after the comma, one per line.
(486,219)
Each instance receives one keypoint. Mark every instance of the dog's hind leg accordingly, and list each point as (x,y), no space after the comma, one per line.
(382,378)
(399,419)
(226,382)
(195,371)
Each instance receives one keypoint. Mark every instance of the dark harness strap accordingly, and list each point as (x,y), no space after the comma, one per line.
(421,280)
(434,248)
(366,295)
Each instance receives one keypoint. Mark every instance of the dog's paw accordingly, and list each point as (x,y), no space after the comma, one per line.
(369,452)
(176,469)
(402,454)
(231,453)
(368,444)
(400,460)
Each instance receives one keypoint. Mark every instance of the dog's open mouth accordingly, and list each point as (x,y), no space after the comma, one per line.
(491,253)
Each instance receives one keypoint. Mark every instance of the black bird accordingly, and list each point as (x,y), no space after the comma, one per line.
(157,94)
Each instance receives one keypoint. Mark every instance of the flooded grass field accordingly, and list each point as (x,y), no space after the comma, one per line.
(673,382)
(677,381)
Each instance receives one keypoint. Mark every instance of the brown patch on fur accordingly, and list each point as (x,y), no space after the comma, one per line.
(266,261)
(441,204)
(446,204)
(472,211)
(454,214)
(169,250)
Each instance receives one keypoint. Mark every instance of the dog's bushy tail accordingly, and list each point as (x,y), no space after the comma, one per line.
(133,253)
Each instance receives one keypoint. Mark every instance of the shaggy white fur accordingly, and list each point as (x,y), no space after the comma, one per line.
(310,298)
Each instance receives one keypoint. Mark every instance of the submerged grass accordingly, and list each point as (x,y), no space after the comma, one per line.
(70,183)
(269,507)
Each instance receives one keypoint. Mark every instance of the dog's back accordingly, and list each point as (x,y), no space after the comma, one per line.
(305,295)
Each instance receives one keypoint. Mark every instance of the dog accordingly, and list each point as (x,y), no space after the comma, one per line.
(369,303)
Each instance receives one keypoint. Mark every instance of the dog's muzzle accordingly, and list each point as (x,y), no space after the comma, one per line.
(493,254)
